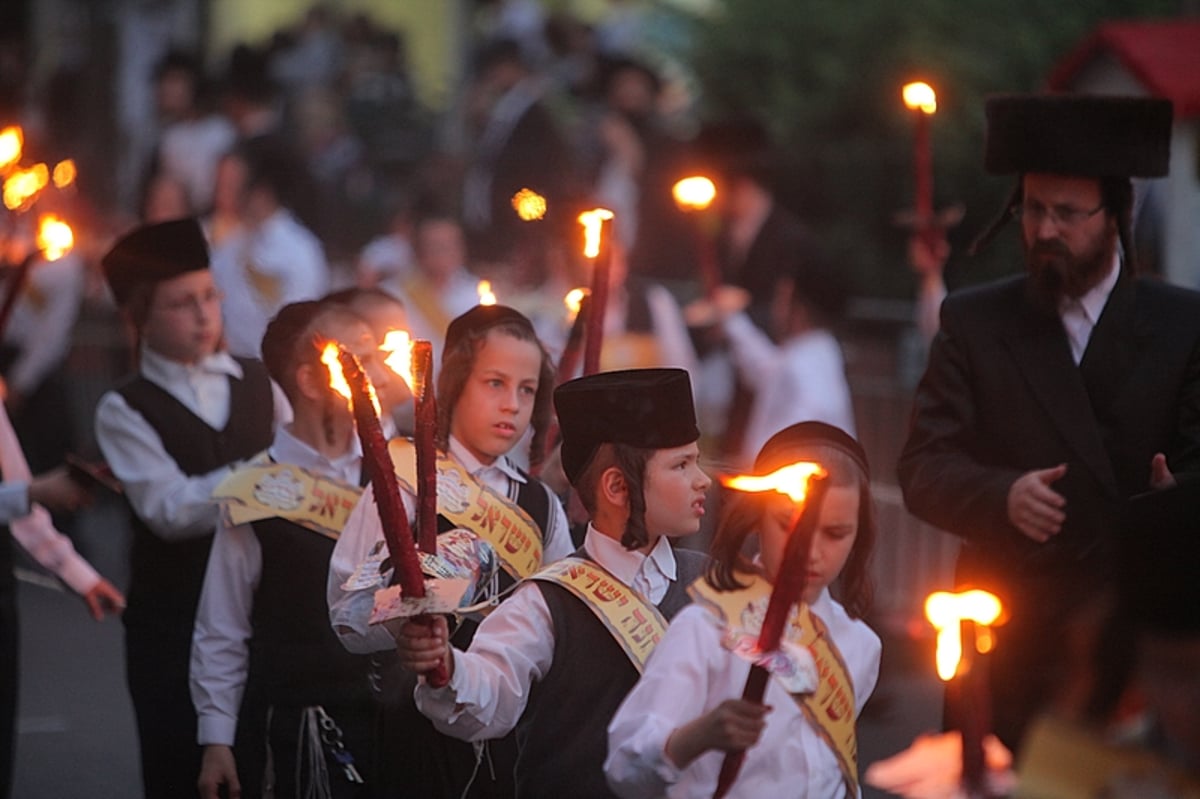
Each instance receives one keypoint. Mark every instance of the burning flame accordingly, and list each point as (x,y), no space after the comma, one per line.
(694,193)
(12,142)
(399,346)
(593,222)
(946,611)
(64,173)
(23,185)
(920,96)
(791,480)
(574,301)
(54,237)
(486,295)
(529,205)
(337,378)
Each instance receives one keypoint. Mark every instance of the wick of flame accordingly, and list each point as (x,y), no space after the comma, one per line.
(54,237)
(593,222)
(23,186)
(337,378)
(12,142)
(64,173)
(398,345)
(694,193)
(574,300)
(486,295)
(920,95)
(946,611)
(791,480)
(529,205)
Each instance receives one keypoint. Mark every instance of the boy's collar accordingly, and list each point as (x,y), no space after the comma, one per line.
(473,465)
(155,364)
(625,563)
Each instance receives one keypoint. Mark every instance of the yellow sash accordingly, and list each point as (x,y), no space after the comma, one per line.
(421,294)
(630,618)
(830,708)
(469,504)
(265,490)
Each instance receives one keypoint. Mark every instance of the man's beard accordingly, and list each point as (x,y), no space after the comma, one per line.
(1055,272)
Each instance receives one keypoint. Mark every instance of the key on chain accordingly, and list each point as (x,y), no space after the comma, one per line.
(346,761)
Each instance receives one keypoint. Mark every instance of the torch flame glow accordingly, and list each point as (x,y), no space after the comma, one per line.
(12,142)
(791,480)
(23,186)
(64,173)
(694,193)
(486,295)
(54,237)
(920,95)
(399,346)
(529,205)
(337,378)
(945,611)
(593,222)
(574,300)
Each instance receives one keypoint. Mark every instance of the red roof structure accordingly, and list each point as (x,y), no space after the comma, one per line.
(1163,55)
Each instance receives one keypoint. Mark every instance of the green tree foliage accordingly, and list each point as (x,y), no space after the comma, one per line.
(825,77)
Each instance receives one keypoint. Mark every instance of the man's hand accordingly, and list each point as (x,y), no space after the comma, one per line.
(423,647)
(1034,507)
(732,726)
(1160,475)
(58,491)
(217,769)
(932,768)
(102,598)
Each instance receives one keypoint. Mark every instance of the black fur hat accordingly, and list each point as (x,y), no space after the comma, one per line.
(153,253)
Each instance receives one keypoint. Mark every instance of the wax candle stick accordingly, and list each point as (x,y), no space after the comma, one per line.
(598,247)
(425,424)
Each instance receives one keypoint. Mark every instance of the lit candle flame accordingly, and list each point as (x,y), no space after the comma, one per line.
(946,611)
(486,295)
(398,345)
(593,221)
(791,480)
(694,193)
(54,237)
(12,142)
(574,301)
(23,186)
(337,378)
(64,173)
(529,205)
(920,96)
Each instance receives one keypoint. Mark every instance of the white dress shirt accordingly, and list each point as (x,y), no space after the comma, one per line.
(220,641)
(1079,315)
(350,607)
(172,504)
(690,673)
(514,647)
(43,319)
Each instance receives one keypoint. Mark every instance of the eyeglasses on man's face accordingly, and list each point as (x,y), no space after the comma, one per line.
(1061,215)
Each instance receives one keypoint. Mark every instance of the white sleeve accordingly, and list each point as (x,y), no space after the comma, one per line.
(672,691)
(557,543)
(512,650)
(47,339)
(754,354)
(351,597)
(221,638)
(37,535)
(14,500)
(671,331)
(174,505)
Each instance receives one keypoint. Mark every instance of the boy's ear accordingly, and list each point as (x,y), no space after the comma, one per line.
(312,380)
(613,487)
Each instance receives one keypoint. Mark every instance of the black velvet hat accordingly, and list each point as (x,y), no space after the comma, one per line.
(480,319)
(1079,135)
(1159,560)
(154,253)
(646,408)
(777,451)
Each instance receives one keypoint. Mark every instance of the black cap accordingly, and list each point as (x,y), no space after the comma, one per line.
(1159,560)
(779,449)
(1079,135)
(154,253)
(480,319)
(646,408)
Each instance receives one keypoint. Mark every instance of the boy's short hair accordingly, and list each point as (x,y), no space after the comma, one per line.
(290,338)
(151,254)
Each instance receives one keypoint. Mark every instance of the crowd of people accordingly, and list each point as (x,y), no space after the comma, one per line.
(1054,432)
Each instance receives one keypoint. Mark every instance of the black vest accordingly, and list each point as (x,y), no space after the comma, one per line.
(563,734)
(166,576)
(293,649)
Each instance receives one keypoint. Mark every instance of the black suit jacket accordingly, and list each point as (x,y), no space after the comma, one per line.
(1002,396)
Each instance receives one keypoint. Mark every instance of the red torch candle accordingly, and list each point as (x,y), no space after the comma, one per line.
(693,195)
(406,567)
(570,354)
(921,99)
(423,441)
(598,248)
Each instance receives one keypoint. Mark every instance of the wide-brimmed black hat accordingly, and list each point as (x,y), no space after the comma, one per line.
(153,253)
(1159,557)
(646,408)
(1080,135)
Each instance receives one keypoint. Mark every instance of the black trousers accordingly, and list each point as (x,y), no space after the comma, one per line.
(8,662)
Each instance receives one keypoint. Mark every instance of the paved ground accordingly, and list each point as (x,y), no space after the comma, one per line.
(76,737)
